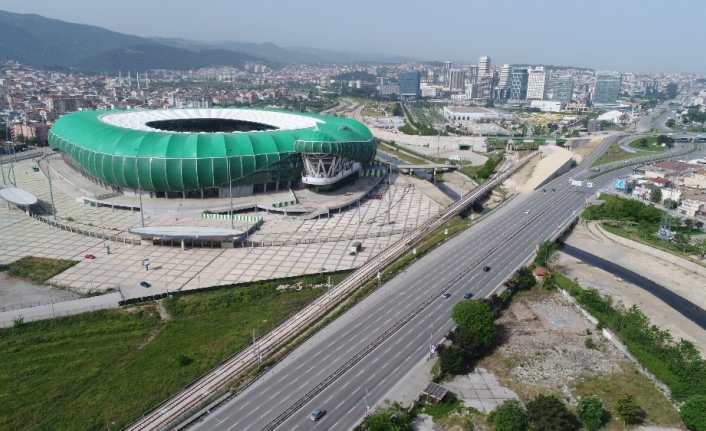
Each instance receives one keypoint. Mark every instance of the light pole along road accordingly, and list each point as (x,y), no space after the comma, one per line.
(503,241)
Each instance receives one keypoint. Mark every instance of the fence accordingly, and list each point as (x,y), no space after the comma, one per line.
(88,233)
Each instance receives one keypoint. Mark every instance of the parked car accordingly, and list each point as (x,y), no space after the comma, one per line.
(90,256)
(317,414)
(145,284)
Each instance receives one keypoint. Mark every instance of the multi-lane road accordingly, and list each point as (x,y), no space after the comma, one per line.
(503,241)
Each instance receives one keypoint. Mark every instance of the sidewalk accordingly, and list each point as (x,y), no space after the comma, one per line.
(64,308)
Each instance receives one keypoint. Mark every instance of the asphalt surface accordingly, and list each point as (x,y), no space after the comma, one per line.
(505,240)
(687,308)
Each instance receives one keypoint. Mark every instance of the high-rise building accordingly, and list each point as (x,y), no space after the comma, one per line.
(447,71)
(537,83)
(607,88)
(518,84)
(485,86)
(457,80)
(473,74)
(502,90)
(672,90)
(563,89)
(483,65)
(410,85)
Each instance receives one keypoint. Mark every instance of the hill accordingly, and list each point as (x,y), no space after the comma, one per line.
(39,41)
(142,57)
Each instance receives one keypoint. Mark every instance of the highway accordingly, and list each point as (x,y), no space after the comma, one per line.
(503,241)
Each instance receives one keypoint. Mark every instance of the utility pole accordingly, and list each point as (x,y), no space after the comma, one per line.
(51,193)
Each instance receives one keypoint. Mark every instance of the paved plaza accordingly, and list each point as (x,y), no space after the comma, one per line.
(314,246)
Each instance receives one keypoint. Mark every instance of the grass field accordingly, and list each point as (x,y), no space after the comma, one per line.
(37,269)
(106,368)
(617,154)
(651,145)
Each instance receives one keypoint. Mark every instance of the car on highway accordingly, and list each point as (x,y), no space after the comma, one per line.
(446,295)
(145,284)
(468,295)
(486,268)
(527,212)
(317,414)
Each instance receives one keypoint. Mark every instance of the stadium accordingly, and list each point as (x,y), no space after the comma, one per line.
(199,153)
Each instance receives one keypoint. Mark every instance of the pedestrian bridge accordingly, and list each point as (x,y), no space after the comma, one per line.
(427,166)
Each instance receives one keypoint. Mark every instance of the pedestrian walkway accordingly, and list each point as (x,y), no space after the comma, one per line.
(63,308)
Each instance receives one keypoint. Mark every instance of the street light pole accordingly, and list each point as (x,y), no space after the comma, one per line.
(230,189)
(139,190)
(51,193)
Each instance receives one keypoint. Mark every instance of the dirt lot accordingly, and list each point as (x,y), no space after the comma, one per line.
(545,351)
(16,293)
(684,283)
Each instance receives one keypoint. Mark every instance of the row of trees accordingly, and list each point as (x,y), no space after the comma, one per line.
(547,412)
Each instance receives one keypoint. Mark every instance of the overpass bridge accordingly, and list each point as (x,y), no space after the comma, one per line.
(427,166)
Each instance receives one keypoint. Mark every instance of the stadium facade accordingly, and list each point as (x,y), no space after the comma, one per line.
(196,152)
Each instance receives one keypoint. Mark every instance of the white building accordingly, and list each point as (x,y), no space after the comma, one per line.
(469,113)
(537,83)
(484,65)
(547,105)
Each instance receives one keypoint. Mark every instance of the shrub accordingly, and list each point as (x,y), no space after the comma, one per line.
(183,360)
(508,416)
(589,343)
(693,413)
(590,412)
(628,410)
(548,413)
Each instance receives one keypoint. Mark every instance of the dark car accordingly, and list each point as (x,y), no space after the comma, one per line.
(468,295)
(544,190)
(446,295)
(317,414)
(553,190)
(145,284)
(486,268)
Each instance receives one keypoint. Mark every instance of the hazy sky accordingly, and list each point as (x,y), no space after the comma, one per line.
(624,35)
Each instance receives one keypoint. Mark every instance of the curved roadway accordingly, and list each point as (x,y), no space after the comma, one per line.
(504,241)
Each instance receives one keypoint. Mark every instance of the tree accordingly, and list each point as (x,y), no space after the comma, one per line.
(590,412)
(670,123)
(656,195)
(467,342)
(20,137)
(548,413)
(508,416)
(524,279)
(476,317)
(397,110)
(544,252)
(643,142)
(391,416)
(628,410)
(452,360)
(693,413)
(670,204)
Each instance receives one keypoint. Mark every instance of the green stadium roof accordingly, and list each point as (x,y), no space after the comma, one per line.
(112,145)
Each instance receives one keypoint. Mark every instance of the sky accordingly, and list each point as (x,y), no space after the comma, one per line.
(626,35)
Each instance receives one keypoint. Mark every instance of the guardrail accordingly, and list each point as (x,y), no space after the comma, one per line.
(210,386)
(84,232)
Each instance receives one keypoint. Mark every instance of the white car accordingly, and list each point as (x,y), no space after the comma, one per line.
(527,212)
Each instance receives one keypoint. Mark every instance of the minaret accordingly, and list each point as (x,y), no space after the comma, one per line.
(120,78)
(147,82)
(138,80)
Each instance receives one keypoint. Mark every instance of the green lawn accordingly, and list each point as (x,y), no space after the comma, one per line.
(37,269)
(108,367)
(651,145)
(616,154)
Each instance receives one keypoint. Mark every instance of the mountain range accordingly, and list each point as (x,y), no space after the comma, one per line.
(44,42)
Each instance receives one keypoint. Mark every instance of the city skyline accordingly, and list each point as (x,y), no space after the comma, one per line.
(562,34)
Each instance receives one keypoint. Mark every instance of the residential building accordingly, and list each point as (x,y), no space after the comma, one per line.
(563,89)
(537,83)
(607,88)
(518,84)
(410,85)
(547,105)
(485,86)
(447,71)
(502,90)
(457,81)
(483,65)
(672,90)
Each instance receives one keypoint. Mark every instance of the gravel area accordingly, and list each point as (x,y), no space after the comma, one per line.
(546,341)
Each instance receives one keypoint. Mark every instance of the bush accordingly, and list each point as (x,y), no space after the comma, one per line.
(590,412)
(508,416)
(389,416)
(693,413)
(183,360)
(548,413)
(452,361)
(589,343)
(628,410)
